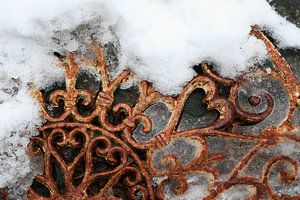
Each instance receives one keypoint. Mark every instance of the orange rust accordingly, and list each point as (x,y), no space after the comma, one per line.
(127,174)
(3,193)
(283,70)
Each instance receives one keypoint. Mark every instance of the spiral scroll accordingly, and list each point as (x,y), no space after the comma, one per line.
(95,147)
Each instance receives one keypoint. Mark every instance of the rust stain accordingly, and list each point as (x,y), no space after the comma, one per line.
(108,163)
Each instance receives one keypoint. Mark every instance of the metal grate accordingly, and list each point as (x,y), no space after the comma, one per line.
(97,146)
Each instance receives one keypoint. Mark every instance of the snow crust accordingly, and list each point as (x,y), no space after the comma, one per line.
(159,40)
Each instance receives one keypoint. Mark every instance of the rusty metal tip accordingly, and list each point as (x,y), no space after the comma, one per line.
(107,162)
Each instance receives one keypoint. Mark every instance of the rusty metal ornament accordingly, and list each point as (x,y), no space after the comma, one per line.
(109,162)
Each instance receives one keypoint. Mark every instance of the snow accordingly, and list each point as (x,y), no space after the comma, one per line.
(159,40)
(198,187)
(26,58)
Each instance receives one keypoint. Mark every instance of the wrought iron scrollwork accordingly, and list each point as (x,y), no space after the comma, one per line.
(86,156)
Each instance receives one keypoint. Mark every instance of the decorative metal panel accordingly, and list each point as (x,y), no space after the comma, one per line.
(144,145)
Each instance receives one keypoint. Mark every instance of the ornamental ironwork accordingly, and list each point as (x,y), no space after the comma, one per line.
(96,148)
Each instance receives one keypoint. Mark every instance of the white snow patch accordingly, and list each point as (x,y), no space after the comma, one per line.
(17,113)
(161,40)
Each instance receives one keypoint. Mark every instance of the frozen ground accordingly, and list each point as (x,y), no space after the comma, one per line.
(158,40)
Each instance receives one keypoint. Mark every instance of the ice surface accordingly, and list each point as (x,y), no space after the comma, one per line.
(198,187)
(260,87)
(159,115)
(288,148)
(186,150)
(237,193)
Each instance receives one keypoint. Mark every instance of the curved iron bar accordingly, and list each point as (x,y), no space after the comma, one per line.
(109,163)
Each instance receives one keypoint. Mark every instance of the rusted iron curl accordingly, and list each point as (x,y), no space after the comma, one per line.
(110,163)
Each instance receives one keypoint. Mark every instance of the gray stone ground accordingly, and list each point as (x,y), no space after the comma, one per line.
(288,8)
(291,10)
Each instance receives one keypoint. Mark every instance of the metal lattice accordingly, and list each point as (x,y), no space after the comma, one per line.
(87,155)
